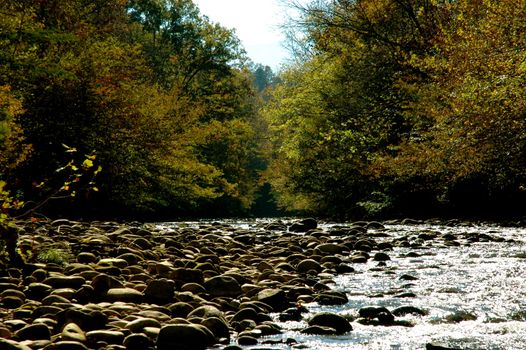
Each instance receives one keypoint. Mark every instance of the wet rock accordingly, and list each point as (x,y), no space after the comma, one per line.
(304,225)
(331,320)
(381,257)
(406,310)
(372,311)
(292,314)
(184,337)
(319,330)
(331,298)
(460,316)
(406,277)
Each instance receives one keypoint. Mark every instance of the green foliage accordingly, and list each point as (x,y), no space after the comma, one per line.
(402,107)
(161,93)
(52,255)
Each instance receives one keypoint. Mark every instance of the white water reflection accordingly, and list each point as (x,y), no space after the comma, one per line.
(474,293)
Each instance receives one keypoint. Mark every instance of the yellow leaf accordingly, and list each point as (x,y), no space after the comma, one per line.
(88,163)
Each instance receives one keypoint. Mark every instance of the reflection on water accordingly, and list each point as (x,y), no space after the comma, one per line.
(474,293)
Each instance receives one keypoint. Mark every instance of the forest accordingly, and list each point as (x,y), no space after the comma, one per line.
(147,109)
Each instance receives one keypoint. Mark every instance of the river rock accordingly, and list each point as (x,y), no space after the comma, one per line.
(127,295)
(184,337)
(34,332)
(331,320)
(7,344)
(319,330)
(160,291)
(304,225)
(217,326)
(137,325)
(65,281)
(137,341)
(275,298)
(307,265)
(185,275)
(223,286)
(107,336)
(73,332)
(66,345)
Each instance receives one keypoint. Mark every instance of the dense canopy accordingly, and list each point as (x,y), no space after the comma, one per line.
(390,107)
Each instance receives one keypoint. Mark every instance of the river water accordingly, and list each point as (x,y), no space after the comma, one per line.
(473,293)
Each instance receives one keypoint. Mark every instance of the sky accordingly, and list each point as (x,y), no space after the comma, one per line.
(256,23)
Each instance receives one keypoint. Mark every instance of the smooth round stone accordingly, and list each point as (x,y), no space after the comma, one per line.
(308,265)
(72,332)
(136,326)
(246,340)
(223,286)
(327,319)
(129,295)
(217,326)
(65,281)
(137,341)
(34,332)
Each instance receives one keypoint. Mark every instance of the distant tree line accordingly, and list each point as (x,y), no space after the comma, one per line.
(391,107)
(164,100)
(402,107)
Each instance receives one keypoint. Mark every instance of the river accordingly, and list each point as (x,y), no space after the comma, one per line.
(472,289)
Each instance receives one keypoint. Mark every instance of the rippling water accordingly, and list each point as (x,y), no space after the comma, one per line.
(474,293)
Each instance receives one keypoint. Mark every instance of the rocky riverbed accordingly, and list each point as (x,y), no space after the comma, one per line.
(290,284)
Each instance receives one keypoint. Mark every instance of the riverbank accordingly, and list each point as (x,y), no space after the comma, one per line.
(104,285)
